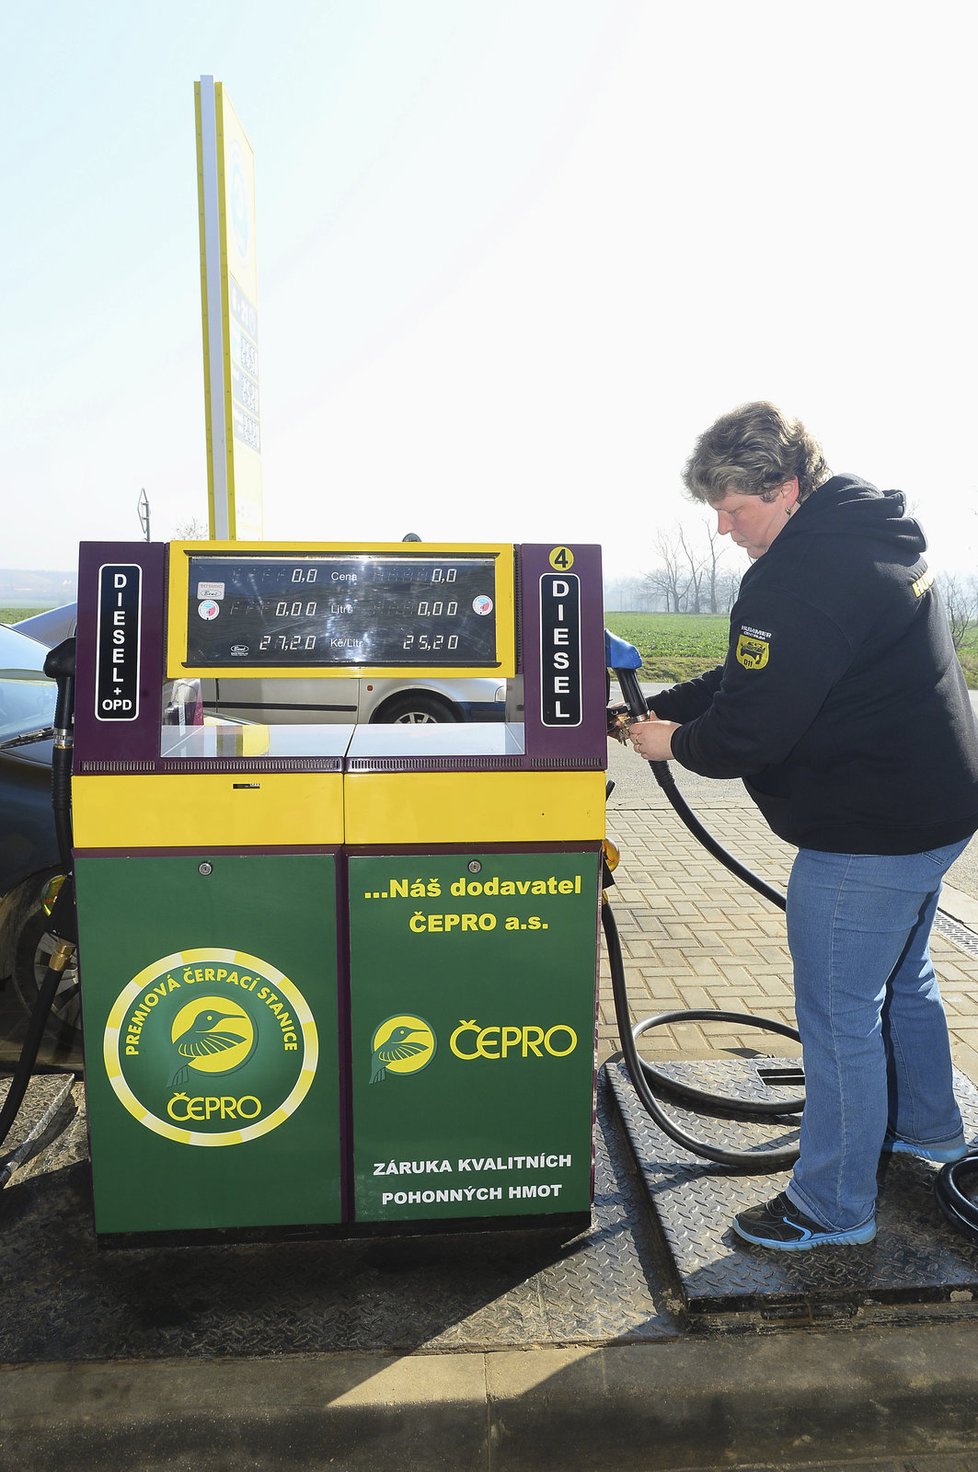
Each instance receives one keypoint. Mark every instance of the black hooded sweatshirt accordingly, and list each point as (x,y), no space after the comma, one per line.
(841,702)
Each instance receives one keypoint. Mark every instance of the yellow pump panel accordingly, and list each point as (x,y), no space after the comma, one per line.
(474,807)
(227,810)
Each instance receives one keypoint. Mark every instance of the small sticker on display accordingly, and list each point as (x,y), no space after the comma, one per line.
(208,609)
(482,604)
(210,590)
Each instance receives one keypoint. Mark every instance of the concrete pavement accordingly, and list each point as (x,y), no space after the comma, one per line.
(900,1399)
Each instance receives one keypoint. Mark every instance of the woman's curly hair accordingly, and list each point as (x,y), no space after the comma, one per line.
(753,451)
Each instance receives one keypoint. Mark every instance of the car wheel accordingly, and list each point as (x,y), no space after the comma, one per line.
(33,946)
(416,710)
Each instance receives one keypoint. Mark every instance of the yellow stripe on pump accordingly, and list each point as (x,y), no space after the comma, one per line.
(474,807)
(227,809)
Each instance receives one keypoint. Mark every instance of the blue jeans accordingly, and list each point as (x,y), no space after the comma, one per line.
(873,1030)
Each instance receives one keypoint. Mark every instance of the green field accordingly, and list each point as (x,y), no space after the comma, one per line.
(673,646)
(14,615)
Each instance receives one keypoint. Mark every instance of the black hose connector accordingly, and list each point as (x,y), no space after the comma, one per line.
(59,665)
(631,690)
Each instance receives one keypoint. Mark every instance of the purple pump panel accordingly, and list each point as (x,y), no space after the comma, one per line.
(562,656)
(121,611)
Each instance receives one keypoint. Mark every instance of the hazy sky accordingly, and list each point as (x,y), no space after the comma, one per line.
(513,255)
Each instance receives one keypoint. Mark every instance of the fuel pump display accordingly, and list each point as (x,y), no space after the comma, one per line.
(338,975)
(350,609)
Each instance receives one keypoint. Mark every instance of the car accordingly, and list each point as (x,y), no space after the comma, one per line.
(50,627)
(31,871)
(321,701)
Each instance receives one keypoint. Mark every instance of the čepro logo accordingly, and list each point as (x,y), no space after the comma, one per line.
(210,1047)
(401,1044)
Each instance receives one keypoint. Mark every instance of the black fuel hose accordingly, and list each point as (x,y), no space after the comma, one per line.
(723,1102)
(638,708)
(643,1075)
(665,779)
(960,1210)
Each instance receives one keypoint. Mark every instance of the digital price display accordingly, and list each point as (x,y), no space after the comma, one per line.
(345,609)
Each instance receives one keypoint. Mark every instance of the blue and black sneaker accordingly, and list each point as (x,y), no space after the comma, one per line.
(779,1224)
(941,1154)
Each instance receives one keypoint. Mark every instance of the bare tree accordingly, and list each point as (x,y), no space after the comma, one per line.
(668,580)
(689,577)
(716,583)
(959,603)
(193,530)
(631,593)
(694,561)
(728,586)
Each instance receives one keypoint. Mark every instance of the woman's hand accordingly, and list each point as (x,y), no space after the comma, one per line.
(652,738)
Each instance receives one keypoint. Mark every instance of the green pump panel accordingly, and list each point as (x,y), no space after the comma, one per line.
(217,1103)
(472,1023)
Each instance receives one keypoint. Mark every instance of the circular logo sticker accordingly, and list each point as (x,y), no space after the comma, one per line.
(402,1044)
(210,1047)
(208,609)
(482,604)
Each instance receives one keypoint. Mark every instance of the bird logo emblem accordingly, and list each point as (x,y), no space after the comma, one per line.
(402,1044)
(211,1035)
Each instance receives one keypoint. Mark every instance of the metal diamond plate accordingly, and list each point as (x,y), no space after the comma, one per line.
(61,1298)
(916,1257)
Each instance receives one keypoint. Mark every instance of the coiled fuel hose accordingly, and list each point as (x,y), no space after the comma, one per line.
(960,1210)
(645,1078)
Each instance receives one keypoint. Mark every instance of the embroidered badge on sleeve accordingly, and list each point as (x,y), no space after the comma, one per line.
(753,648)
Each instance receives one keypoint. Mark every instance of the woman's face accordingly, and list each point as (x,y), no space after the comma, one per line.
(752,523)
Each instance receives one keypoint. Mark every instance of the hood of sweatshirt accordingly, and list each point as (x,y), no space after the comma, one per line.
(847,506)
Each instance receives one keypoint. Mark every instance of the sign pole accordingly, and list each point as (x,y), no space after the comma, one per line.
(229,316)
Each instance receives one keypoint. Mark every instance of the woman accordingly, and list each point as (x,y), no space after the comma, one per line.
(842,706)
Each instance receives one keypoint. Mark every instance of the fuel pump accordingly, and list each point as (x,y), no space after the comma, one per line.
(337,976)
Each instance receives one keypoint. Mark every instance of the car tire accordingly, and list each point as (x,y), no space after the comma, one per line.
(416,710)
(32,946)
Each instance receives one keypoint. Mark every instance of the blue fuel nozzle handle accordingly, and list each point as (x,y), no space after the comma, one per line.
(625,659)
(619,654)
